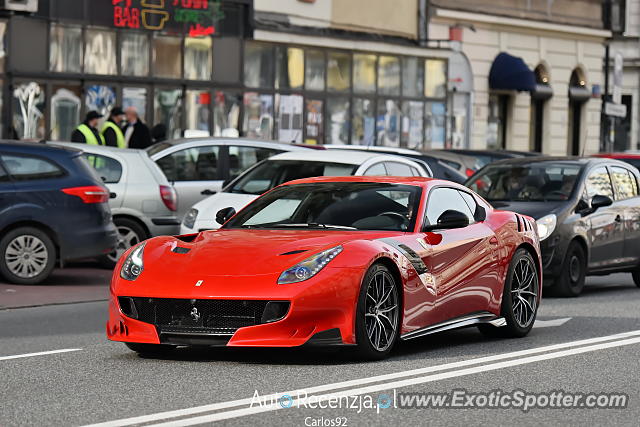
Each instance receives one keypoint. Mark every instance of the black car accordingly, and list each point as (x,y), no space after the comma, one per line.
(587,211)
(53,207)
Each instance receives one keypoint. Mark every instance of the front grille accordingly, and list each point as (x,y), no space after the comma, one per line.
(198,316)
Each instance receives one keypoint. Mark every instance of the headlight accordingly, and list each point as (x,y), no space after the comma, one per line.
(546,225)
(133,265)
(309,267)
(190,218)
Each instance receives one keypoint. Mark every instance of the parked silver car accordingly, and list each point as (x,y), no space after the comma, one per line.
(199,167)
(142,202)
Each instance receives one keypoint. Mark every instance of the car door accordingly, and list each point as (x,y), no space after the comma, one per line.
(194,173)
(606,230)
(112,173)
(7,194)
(462,261)
(626,188)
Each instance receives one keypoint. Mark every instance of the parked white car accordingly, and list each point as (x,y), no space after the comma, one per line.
(287,167)
(143,203)
(199,167)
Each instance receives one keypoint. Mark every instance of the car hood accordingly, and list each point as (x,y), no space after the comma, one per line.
(208,207)
(536,210)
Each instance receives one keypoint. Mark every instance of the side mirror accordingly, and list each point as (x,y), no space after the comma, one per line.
(224,215)
(600,201)
(449,219)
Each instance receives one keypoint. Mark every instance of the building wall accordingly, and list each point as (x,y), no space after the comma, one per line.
(316,14)
(396,18)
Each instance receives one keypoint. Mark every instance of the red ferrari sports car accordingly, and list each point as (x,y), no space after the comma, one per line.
(354,261)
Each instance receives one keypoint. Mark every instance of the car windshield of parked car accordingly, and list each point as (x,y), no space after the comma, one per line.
(272,173)
(333,206)
(534,182)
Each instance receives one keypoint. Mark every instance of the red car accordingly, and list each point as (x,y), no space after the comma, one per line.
(353,261)
(632,158)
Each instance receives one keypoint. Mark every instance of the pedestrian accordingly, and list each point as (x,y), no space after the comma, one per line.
(159,133)
(87,131)
(111,131)
(136,133)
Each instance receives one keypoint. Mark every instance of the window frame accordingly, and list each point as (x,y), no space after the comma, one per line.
(425,220)
(13,179)
(616,189)
(586,182)
(86,154)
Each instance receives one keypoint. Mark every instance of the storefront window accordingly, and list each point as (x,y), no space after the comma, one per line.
(364,73)
(135,97)
(3,53)
(434,131)
(258,115)
(100,52)
(197,103)
(168,111)
(28,111)
(412,76)
(167,56)
(314,126)
(389,123)
(258,65)
(100,98)
(226,114)
(435,78)
(197,58)
(364,122)
(412,124)
(65,112)
(337,121)
(496,129)
(289,68)
(134,54)
(65,51)
(314,70)
(338,71)
(389,75)
(289,113)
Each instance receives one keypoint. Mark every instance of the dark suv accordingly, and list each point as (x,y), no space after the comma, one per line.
(53,207)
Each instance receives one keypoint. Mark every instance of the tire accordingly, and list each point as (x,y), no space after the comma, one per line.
(150,349)
(129,233)
(522,282)
(377,314)
(27,256)
(574,269)
(636,277)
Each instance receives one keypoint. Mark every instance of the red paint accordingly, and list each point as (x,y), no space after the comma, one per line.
(198,30)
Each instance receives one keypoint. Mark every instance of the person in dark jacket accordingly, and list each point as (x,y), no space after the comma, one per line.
(136,133)
(87,131)
(111,131)
(159,133)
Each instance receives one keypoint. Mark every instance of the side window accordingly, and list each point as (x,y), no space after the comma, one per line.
(470,201)
(191,164)
(624,183)
(398,169)
(26,168)
(599,183)
(442,199)
(376,170)
(634,183)
(415,172)
(110,170)
(242,158)
(4,177)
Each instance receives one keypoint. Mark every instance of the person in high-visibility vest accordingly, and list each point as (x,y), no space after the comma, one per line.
(111,131)
(87,131)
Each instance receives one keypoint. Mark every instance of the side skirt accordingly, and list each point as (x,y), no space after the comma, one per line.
(458,322)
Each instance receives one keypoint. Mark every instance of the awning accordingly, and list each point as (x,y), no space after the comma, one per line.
(511,73)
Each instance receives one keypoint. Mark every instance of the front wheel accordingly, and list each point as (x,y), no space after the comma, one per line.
(378,314)
(574,269)
(519,299)
(130,233)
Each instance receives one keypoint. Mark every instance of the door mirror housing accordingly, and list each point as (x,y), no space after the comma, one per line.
(449,219)
(600,201)
(225,215)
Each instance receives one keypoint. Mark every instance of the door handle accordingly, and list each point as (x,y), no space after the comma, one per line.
(112,195)
(208,192)
(618,218)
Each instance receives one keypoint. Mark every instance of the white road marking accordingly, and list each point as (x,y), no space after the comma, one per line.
(361,381)
(41,353)
(551,323)
(225,415)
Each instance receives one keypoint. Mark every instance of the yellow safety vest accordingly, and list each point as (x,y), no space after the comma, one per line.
(119,135)
(90,137)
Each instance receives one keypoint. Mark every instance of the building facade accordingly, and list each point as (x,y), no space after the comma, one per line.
(555,106)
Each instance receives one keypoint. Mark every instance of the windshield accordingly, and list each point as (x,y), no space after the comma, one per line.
(272,173)
(156,148)
(333,205)
(533,182)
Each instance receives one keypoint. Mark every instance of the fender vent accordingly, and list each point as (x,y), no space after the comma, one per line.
(519,226)
(180,250)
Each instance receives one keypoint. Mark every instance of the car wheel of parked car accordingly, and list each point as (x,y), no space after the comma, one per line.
(130,233)
(636,277)
(28,256)
(574,269)
(378,314)
(519,299)
(150,349)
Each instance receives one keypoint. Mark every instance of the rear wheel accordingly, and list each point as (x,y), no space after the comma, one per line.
(28,256)
(574,269)
(130,233)
(378,314)
(150,349)
(519,299)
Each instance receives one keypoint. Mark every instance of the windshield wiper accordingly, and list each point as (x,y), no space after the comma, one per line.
(313,225)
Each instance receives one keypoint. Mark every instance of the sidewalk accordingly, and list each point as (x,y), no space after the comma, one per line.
(76,283)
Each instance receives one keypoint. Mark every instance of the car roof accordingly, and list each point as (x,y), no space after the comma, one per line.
(542,159)
(372,148)
(349,157)
(618,155)
(37,147)
(230,140)
(97,148)
(410,180)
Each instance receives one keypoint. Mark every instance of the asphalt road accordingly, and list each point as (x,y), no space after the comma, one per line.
(98,381)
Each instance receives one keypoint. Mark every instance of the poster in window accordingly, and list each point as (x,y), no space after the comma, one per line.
(314,122)
(258,115)
(290,118)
